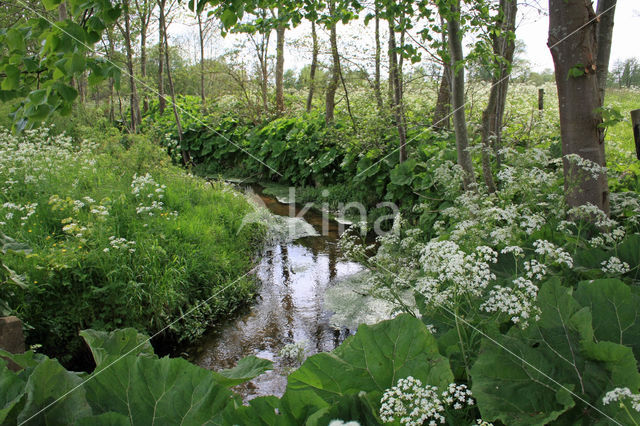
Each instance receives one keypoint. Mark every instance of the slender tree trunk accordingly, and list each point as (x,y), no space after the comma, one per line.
(572,41)
(162,103)
(314,65)
(457,88)
(443,104)
(330,100)
(376,84)
(186,158)
(604,36)
(201,36)
(492,117)
(263,84)
(394,78)
(280,69)
(143,64)
(133,97)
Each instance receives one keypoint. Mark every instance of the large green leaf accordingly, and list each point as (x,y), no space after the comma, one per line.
(157,391)
(536,375)
(11,392)
(616,311)
(116,343)
(54,396)
(246,369)
(371,361)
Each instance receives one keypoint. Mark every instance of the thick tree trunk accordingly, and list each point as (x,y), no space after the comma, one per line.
(443,104)
(330,100)
(376,84)
(572,41)
(492,117)
(394,77)
(280,69)
(201,37)
(162,103)
(457,89)
(133,97)
(314,66)
(186,158)
(604,36)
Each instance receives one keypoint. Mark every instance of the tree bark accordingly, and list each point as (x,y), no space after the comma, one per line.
(201,37)
(143,65)
(492,117)
(572,41)
(280,69)
(397,109)
(457,88)
(376,84)
(442,110)
(133,97)
(604,36)
(162,103)
(330,100)
(186,158)
(314,66)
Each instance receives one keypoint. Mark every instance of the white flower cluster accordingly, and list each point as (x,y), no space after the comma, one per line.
(590,212)
(615,266)
(518,301)
(72,228)
(592,168)
(620,395)
(120,244)
(337,422)
(449,176)
(552,253)
(450,272)
(24,211)
(294,352)
(145,186)
(99,210)
(412,403)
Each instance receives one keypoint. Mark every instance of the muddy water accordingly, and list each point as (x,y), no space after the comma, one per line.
(289,308)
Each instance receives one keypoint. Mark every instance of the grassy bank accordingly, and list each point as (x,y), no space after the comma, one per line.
(114,236)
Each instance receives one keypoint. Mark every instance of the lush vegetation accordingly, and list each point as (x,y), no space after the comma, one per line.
(114,236)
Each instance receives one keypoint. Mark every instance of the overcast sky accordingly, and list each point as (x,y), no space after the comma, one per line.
(532,28)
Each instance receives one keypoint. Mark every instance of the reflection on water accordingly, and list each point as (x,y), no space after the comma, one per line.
(290,307)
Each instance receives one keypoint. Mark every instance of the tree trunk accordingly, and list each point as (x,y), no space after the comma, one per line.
(492,117)
(201,36)
(572,41)
(376,85)
(143,64)
(314,65)
(443,104)
(394,78)
(133,97)
(330,100)
(186,158)
(604,35)
(162,103)
(280,69)
(457,88)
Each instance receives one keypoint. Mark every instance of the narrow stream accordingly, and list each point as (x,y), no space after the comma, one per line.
(290,306)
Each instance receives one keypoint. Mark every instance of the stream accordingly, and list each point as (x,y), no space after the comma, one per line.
(293,277)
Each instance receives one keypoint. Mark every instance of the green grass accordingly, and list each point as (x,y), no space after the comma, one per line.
(79,275)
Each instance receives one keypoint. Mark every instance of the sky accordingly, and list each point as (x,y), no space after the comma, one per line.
(532,28)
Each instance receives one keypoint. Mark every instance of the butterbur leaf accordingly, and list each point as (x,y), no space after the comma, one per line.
(12,392)
(371,361)
(246,369)
(616,311)
(116,343)
(157,391)
(105,419)
(534,376)
(48,383)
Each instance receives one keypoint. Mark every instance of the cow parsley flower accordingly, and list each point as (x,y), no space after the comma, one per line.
(620,395)
(615,266)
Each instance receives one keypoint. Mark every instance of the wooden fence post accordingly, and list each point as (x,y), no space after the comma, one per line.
(540,99)
(635,122)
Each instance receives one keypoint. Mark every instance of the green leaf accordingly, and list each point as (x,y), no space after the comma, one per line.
(51,4)
(116,343)
(157,391)
(12,79)
(68,93)
(402,174)
(529,376)
(48,382)
(78,63)
(105,419)
(246,369)
(371,361)
(228,18)
(615,309)
(11,392)
(15,40)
